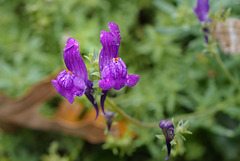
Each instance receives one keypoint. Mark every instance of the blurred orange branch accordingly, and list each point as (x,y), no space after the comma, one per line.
(24,112)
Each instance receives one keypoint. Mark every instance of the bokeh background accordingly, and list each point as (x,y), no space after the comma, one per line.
(161,41)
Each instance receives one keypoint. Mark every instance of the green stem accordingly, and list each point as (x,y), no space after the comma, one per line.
(226,71)
(155,124)
(129,118)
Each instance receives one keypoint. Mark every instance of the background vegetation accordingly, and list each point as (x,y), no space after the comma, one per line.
(161,41)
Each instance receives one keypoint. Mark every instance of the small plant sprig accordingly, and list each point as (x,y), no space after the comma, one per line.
(104,72)
(172,136)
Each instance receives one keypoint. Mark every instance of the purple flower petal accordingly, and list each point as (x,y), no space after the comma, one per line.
(168,131)
(115,69)
(78,83)
(131,80)
(73,59)
(164,124)
(119,83)
(64,92)
(65,79)
(109,50)
(70,43)
(69,86)
(110,42)
(113,27)
(114,75)
(201,10)
(107,83)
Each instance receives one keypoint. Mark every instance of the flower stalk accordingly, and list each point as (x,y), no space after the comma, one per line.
(129,118)
(155,124)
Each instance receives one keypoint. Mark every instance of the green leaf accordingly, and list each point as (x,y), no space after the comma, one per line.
(164,6)
(96,74)
(161,137)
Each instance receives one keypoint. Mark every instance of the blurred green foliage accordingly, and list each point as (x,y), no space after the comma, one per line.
(161,41)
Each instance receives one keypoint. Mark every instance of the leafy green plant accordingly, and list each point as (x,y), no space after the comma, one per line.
(161,41)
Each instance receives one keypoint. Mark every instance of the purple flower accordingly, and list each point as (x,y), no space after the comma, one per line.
(113,69)
(74,81)
(202,10)
(168,131)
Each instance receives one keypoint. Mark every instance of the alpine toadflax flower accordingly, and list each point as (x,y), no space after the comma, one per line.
(168,131)
(113,69)
(202,10)
(74,81)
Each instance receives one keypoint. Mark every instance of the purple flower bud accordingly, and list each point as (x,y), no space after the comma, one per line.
(168,131)
(206,32)
(109,119)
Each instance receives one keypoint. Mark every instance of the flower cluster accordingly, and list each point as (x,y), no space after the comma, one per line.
(74,81)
